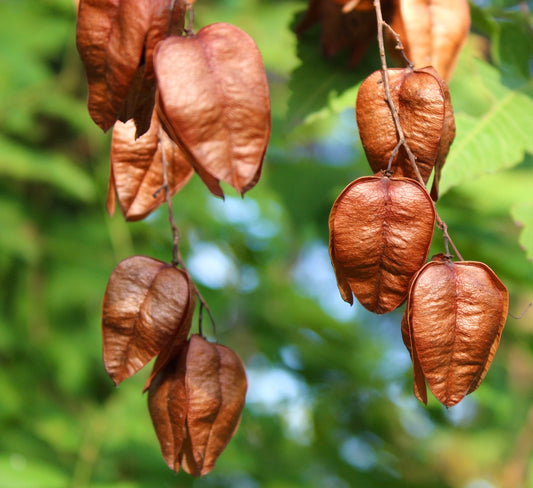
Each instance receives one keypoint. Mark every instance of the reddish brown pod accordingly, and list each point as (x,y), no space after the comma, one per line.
(345,24)
(115,39)
(196,404)
(432,31)
(423,103)
(214,102)
(380,229)
(147,308)
(136,173)
(455,316)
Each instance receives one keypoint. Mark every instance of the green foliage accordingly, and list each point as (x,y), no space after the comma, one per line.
(498,138)
(330,402)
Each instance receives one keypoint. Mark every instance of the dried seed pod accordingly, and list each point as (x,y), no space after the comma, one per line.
(456,314)
(147,307)
(218,108)
(115,39)
(425,112)
(137,169)
(167,17)
(345,24)
(207,382)
(432,31)
(110,39)
(380,229)
(167,404)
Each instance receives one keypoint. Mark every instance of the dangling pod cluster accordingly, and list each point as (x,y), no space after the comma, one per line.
(179,103)
(381,228)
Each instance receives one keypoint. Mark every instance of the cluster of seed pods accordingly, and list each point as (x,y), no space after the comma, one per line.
(381,228)
(179,103)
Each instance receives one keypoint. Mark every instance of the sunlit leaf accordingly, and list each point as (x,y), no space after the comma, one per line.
(498,138)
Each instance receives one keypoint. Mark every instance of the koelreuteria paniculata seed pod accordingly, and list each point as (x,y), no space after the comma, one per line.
(380,229)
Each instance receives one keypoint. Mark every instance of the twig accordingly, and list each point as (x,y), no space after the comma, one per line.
(522,315)
(399,44)
(394,112)
(190,11)
(177,260)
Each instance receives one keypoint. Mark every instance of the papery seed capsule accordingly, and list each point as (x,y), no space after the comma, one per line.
(147,308)
(432,32)
(136,172)
(456,312)
(196,403)
(380,232)
(425,113)
(218,108)
(116,39)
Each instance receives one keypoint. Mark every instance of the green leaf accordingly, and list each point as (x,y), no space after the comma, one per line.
(497,139)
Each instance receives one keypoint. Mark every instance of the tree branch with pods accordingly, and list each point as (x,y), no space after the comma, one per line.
(164,130)
(381,228)
(402,142)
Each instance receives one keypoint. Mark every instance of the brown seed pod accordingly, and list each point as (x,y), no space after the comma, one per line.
(425,112)
(380,229)
(456,312)
(432,31)
(345,24)
(147,308)
(137,169)
(214,103)
(167,17)
(167,404)
(115,39)
(207,383)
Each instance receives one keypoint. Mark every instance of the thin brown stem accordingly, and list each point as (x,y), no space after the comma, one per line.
(447,239)
(177,260)
(522,315)
(168,198)
(190,12)
(399,45)
(394,112)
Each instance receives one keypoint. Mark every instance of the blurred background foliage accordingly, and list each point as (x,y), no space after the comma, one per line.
(330,401)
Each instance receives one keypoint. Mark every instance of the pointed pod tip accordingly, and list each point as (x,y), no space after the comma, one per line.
(348,299)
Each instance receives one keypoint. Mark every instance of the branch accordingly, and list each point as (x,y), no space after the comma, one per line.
(177,260)
(394,112)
